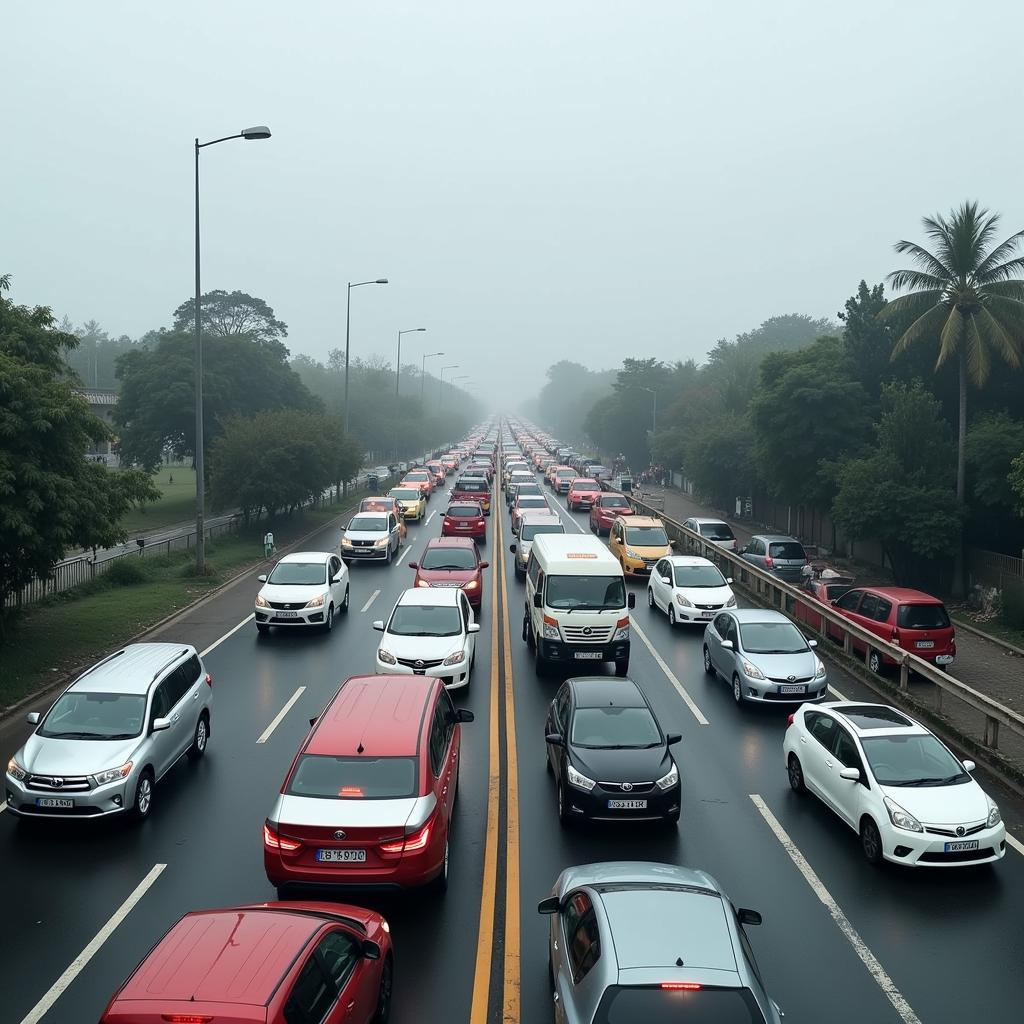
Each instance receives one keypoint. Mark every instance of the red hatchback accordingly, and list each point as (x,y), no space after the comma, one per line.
(368,799)
(452,562)
(606,507)
(913,620)
(464,519)
(583,492)
(275,963)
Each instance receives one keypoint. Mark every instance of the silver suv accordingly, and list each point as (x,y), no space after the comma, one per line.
(112,734)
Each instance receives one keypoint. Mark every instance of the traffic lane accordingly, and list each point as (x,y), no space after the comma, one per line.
(207,828)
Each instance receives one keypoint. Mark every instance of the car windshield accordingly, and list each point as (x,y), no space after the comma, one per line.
(530,530)
(647,536)
(913,759)
(716,531)
(834,591)
(615,727)
(615,502)
(419,476)
(788,549)
(464,510)
(771,638)
(922,616)
(353,778)
(448,558)
(656,1005)
(590,593)
(425,620)
(405,493)
(298,574)
(368,524)
(699,576)
(95,716)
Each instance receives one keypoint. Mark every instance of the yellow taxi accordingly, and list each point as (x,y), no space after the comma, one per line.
(638,542)
(411,502)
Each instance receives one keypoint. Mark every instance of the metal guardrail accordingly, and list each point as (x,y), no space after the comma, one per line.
(785,598)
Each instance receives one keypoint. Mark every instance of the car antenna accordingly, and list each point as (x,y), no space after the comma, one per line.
(679,962)
(359,749)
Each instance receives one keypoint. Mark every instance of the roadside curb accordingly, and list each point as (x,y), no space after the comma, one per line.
(168,620)
(960,624)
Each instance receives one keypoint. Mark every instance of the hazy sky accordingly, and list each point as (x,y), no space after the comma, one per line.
(538,180)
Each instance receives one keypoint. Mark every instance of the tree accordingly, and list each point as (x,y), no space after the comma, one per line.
(964,295)
(992,444)
(231,314)
(719,459)
(50,497)
(1016,481)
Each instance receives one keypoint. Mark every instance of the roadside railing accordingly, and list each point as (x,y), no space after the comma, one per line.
(858,643)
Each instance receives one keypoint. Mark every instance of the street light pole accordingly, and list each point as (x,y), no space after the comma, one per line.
(398,358)
(423,372)
(348,317)
(440,385)
(257,132)
(654,424)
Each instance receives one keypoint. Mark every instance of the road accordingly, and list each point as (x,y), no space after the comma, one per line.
(841,942)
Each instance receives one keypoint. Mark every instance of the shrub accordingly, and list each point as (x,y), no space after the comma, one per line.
(127,572)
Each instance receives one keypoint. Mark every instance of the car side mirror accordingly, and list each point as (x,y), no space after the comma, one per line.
(370,950)
(728,579)
(745,916)
(160,725)
(474,627)
(32,718)
(312,722)
(742,550)
(812,643)
(413,565)
(538,600)
(548,906)
(554,739)
(378,624)
(464,715)
(665,579)
(728,645)
(631,600)
(671,543)
(339,577)
(850,774)
(969,766)
(673,738)
(484,565)
(262,578)
(512,547)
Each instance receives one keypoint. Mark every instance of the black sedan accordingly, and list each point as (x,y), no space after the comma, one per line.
(608,754)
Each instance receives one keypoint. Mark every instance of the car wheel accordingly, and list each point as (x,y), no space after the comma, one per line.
(199,739)
(622,668)
(390,555)
(870,841)
(383,1012)
(563,807)
(143,796)
(671,615)
(262,628)
(329,620)
(708,667)
(650,598)
(344,604)
(875,663)
(737,690)
(441,882)
(796,774)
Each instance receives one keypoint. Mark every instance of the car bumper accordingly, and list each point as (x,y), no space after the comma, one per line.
(632,567)
(299,617)
(594,805)
(412,513)
(469,531)
(410,872)
(100,802)
(698,616)
(583,654)
(929,851)
(455,677)
(768,691)
(365,554)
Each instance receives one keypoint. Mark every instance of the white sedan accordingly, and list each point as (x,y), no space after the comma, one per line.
(431,632)
(689,589)
(897,785)
(306,588)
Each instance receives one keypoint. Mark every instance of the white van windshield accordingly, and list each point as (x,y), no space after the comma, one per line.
(586,593)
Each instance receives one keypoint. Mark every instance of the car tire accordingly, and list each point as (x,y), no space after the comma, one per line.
(737,691)
(875,663)
(329,619)
(199,739)
(390,555)
(143,803)
(671,615)
(622,668)
(870,841)
(382,1014)
(561,806)
(344,604)
(796,774)
(709,668)
(650,598)
(262,629)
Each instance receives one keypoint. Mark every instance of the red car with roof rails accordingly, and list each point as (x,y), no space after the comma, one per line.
(583,492)
(368,800)
(272,963)
(464,519)
(607,506)
(451,562)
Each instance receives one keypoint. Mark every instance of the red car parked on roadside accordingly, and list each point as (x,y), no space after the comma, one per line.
(583,492)
(606,507)
(451,562)
(825,591)
(274,962)
(368,799)
(465,519)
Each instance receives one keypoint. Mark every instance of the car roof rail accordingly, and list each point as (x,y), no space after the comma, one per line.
(100,664)
(167,664)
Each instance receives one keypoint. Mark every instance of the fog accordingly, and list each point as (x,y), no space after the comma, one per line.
(538,181)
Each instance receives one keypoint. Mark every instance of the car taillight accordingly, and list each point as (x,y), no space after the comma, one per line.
(275,841)
(186,1018)
(789,720)
(681,986)
(409,844)
(769,562)
(209,679)
(447,522)
(895,636)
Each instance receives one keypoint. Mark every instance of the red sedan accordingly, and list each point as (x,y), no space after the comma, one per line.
(583,492)
(464,519)
(605,508)
(452,562)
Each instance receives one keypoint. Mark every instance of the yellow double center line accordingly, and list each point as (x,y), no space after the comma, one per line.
(502,771)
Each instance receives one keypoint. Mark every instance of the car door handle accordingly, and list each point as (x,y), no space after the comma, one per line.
(828,763)
(350,1007)
(803,739)
(195,696)
(174,718)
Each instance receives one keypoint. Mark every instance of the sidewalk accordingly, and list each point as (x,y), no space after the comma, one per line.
(980,663)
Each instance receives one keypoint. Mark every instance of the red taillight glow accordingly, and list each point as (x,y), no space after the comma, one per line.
(273,841)
(769,562)
(681,986)
(209,679)
(417,841)
(186,1018)
(789,721)
(350,791)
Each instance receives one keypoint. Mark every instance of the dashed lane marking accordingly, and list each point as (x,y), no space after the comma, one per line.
(279,717)
(431,516)
(230,632)
(373,597)
(670,675)
(1015,843)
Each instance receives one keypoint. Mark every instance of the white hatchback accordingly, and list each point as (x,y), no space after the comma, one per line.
(897,785)
(431,632)
(689,589)
(307,588)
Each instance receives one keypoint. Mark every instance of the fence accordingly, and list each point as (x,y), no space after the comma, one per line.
(993,569)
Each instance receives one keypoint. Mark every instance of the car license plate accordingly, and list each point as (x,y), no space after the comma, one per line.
(961,845)
(462,526)
(922,645)
(588,655)
(341,856)
(287,615)
(792,689)
(943,659)
(627,805)
(707,615)
(54,801)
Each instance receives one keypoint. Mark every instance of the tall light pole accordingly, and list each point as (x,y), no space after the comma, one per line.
(654,423)
(440,385)
(348,311)
(258,132)
(398,358)
(423,372)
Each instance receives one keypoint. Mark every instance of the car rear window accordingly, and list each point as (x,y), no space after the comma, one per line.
(922,616)
(657,1005)
(472,486)
(717,531)
(529,532)
(353,778)
(614,501)
(787,549)
(464,510)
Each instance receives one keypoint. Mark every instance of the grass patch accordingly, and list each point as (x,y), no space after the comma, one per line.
(993,626)
(176,504)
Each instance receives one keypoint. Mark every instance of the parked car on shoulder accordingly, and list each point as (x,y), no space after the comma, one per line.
(715,530)
(776,554)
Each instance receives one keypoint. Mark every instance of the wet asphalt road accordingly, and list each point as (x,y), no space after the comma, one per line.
(951,941)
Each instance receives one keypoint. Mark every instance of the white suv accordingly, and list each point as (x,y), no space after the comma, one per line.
(306,588)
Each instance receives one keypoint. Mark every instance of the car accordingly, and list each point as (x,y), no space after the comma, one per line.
(608,754)
(473,488)
(411,502)
(464,519)
(583,492)
(371,536)
(689,589)
(431,631)
(528,503)
(514,479)
(368,800)
(717,531)
(775,553)
(825,585)
(451,461)
(451,562)
(436,467)
(605,508)
(529,525)
(636,942)
(277,963)
(421,478)
(518,490)
(562,478)
(764,657)
(305,589)
(112,735)
(638,542)
(387,503)
(897,785)
(911,619)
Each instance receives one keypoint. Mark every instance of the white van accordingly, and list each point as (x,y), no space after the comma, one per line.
(577,608)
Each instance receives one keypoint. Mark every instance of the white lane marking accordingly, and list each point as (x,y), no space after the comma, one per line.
(839,696)
(567,512)
(230,632)
(1015,843)
(373,597)
(697,713)
(58,988)
(3,807)
(280,715)
(870,961)
(431,516)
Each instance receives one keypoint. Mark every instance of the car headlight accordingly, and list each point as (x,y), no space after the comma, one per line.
(901,818)
(112,775)
(422,583)
(684,602)
(551,629)
(457,658)
(731,603)
(994,817)
(819,669)
(633,554)
(262,602)
(16,771)
(668,781)
(752,671)
(471,585)
(345,542)
(380,543)
(578,779)
(386,656)
(316,602)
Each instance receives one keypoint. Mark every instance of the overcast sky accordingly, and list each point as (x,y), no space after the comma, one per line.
(539,180)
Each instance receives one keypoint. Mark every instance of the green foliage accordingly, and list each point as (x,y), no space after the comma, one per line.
(128,572)
(992,444)
(1016,481)
(94,360)
(720,461)
(568,395)
(232,314)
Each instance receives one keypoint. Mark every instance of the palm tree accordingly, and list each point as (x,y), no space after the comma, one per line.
(966,295)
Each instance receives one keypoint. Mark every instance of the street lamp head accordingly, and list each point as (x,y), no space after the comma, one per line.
(260,131)
(381,280)
(419,328)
